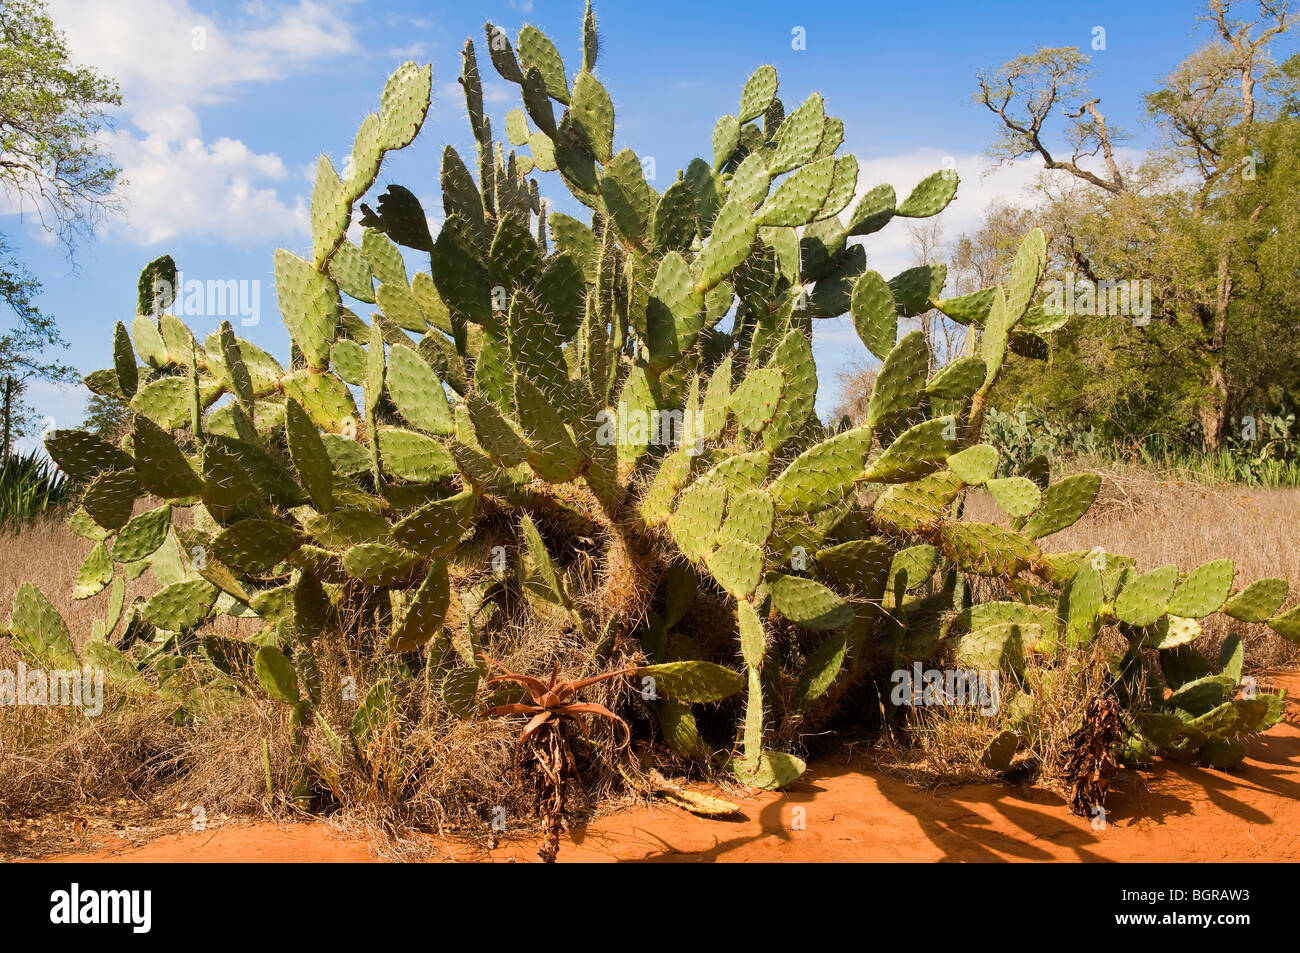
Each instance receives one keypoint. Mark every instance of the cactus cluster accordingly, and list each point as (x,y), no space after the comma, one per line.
(631,391)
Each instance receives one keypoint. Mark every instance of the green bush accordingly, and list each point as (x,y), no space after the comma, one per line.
(1029,439)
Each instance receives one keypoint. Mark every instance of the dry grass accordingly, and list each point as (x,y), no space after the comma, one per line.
(944,744)
(431,772)
(48,554)
(428,770)
(1158,521)
(425,770)
(55,760)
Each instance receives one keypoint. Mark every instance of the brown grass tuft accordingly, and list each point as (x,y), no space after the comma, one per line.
(944,744)
(1159,521)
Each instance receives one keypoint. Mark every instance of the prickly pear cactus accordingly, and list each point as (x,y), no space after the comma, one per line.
(606,422)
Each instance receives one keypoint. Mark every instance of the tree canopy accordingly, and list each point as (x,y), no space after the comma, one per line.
(1200,227)
(52,165)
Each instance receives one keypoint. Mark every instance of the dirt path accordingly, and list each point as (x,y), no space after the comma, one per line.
(1178,814)
(840,812)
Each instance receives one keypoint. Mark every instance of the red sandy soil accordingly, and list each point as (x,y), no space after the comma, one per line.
(1173,812)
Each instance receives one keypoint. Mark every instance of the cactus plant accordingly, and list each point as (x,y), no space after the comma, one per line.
(634,388)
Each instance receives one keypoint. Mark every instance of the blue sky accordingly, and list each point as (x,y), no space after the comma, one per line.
(218,142)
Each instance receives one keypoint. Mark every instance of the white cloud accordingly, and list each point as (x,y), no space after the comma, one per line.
(56,406)
(221,190)
(451,91)
(981,184)
(307,172)
(419,23)
(170,60)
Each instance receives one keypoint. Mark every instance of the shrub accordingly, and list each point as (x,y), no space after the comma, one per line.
(1029,439)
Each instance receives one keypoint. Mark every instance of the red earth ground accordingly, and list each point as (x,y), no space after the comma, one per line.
(841,811)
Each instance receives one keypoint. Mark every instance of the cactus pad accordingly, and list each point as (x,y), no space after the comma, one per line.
(759,91)
(1258,601)
(180,607)
(1017,496)
(1203,591)
(808,603)
(931,196)
(754,401)
(1144,599)
(142,535)
(427,611)
(822,474)
(1063,503)
(692,682)
(875,315)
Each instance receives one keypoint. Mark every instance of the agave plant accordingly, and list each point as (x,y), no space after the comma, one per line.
(30,486)
(553,704)
(606,424)
(552,701)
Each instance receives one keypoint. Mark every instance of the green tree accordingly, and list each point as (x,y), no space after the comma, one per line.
(1201,218)
(53,166)
(982,259)
(108,416)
